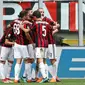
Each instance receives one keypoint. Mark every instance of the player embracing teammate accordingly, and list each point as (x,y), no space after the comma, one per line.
(32,32)
(43,31)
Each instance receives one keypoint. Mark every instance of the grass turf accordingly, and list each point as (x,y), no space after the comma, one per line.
(63,82)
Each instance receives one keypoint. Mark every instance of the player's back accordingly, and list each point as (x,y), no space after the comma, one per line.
(50,36)
(41,28)
(18,32)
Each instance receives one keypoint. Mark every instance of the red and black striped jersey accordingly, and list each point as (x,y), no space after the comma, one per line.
(18,32)
(7,35)
(41,28)
(2,40)
(29,26)
(51,22)
(50,36)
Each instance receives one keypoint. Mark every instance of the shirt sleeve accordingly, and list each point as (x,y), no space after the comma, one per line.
(51,22)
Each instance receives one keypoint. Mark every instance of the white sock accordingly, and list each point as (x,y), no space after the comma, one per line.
(17,71)
(54,70)
(50,69)
(28,70)
(37,71)
(33,73)
(37,75)
(57,63)
(42,69)
(46,70)
(58,51)
(57,67)
(8,70)
(24,74)
(2,70)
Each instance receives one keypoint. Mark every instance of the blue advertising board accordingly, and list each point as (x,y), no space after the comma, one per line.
(71,63)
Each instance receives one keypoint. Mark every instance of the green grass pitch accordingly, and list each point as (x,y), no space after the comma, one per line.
(63,82)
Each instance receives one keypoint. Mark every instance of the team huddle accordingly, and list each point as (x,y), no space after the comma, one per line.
(29,39)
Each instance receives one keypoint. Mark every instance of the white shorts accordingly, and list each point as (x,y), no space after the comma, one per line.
(31,50)
(58,51)
(20,51)
(7,54)
(52,51)
(41,52)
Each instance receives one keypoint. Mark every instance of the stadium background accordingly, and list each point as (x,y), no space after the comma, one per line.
(71,59)
(55,11)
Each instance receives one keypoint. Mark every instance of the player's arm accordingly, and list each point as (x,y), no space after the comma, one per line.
(56,26)
(7,37)
(24,29)
(29,37)
(54,31)
(7,42)
(51,22)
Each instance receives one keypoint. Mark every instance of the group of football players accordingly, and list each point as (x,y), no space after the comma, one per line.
(29,39)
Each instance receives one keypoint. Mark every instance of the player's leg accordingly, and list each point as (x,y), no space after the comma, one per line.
(38,76)
(45,64)
(18,53)
(9,64)
(40,53)
(30,61)
(3,57)
(34,70)
(54,63)
(58,51)
(27,70)
(8,70)
(33,61)
(17,69)
(27,76)
(52,68)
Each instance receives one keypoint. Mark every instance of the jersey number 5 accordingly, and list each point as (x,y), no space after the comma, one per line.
(43,31)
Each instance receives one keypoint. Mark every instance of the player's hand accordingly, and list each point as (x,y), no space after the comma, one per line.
(54,31)
(56,26)
(21,26)
(13,43)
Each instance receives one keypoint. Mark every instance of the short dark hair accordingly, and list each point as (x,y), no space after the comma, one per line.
(28,9)
(37,14)
(21,14)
